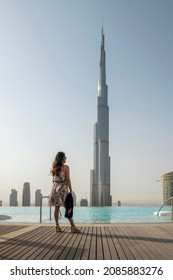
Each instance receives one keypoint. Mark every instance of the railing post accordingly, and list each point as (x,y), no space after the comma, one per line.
(40,209)
(50,212)
(169,199)
(41,204)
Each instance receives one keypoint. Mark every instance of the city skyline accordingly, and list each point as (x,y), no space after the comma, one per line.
(34,197)
(48,83)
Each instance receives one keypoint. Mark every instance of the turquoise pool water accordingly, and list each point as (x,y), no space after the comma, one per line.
(123,214)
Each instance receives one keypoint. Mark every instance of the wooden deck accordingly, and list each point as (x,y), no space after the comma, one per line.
(95,242)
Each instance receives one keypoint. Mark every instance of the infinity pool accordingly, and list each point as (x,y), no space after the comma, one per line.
(123,214)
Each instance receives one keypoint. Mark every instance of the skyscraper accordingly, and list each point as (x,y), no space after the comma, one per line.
(100,175)
(26,194)
(13,198)
(38,196)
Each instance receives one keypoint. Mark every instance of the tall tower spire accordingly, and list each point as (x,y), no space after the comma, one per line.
(100,175)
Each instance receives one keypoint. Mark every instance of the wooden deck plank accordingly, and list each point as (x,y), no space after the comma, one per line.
(80,246)
(47,244)
(145,251)
(4,229)
(64,249)
(105,244)
(13,246)
(113,251)
(134,245)
(57,245)
(142,246)
(37,245)
(168,231)
(75,249)
(157,244)
(123,241)
(152,243)
(117,243)
(25,245)
(166,241)
(92,252)
(143,243)
(87,244)
(51,244)
(131,244)
(99,247)
(116,250)
(93,242)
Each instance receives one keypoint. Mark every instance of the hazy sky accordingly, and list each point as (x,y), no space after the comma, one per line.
(49,70)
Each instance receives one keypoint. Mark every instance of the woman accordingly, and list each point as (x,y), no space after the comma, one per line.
(61,187)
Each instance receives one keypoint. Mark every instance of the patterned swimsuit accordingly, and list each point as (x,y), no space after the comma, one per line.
(59,190)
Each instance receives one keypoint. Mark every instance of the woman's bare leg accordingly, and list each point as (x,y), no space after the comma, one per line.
(56,215)
(74,229)
(71,222)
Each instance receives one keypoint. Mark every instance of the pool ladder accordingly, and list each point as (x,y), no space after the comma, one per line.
(171,198)
(41,204)
(50,211)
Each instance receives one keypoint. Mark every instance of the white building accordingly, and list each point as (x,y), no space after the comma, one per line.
(167,187)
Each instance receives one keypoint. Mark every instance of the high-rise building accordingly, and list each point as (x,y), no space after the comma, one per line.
(84,202)
(100,175)
(13,198)
(38,196)
(167,187)
(26,196)
(74,198)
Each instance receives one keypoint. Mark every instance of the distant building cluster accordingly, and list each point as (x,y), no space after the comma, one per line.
(166,183)
(26,197)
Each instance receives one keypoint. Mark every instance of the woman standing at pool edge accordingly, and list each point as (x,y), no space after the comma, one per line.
(61,187)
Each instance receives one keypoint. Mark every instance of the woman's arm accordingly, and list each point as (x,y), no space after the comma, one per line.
(67,177)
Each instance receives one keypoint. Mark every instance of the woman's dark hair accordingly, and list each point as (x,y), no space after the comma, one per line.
(58,163)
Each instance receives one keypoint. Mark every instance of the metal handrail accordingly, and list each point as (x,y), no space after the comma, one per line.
(50,212)
(41,208)
(171,198)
